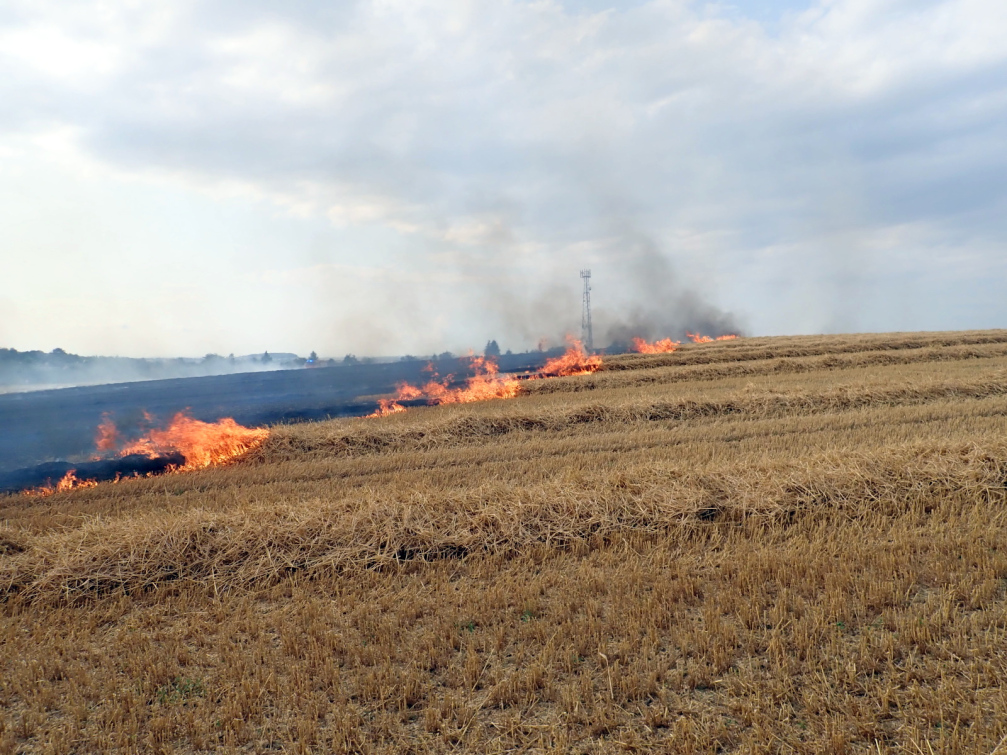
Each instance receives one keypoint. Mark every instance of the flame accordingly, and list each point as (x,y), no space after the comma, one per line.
(69,481)
(485,384)
(387,406)
(201,443)
(407,392)
(696,338)
(108,435)
(664,346)
(575,361)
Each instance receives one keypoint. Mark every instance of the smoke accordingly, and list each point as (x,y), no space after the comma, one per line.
(37,370)
(537,316)
(664,308)
(659,304)
(636,292)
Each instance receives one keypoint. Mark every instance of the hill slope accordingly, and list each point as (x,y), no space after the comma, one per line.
(768,545)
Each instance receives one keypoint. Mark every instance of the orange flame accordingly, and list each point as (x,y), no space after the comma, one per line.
(696,338)
(664,346)
(69,481)
(108,435)
(201,443)
(484,385)
(487,383)
(575,361)
(387,406)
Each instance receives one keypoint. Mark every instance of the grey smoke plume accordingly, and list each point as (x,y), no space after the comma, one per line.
(639,295)
(657,303)
(637,291)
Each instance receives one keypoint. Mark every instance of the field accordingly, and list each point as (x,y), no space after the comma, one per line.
(756,546)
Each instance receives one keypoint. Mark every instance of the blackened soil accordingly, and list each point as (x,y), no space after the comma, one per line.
(60,425)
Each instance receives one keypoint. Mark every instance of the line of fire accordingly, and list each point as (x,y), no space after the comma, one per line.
(185,443)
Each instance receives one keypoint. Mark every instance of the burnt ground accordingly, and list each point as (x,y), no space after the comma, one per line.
(43,426)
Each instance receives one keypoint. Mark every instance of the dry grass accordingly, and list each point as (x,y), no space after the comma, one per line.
(769,545)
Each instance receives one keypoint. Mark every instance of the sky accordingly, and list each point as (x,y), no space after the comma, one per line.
(389,177)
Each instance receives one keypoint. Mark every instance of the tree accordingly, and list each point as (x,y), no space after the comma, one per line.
(312,358)
(266,359)
(492,349)
(350,359)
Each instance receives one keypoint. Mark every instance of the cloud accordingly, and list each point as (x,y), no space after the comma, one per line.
(515,142)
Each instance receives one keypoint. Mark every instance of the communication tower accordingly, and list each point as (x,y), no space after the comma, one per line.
(586,334)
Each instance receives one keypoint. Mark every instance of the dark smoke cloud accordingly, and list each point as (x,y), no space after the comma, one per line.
(662,305)
(637,291)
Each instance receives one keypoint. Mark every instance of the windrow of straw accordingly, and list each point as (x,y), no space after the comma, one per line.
(627,371)
(370,438)
(261,543)
(748,349)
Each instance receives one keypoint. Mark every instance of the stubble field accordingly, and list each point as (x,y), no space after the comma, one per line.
(763,545)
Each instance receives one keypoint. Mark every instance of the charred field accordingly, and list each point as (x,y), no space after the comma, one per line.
(765,545)
(58,426)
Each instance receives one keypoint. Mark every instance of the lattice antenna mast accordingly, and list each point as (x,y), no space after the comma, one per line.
(586,334)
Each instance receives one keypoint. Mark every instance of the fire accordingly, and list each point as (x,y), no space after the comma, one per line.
(201,443)
(664,346)
(575,361)
(108,435)
(387,406)
(487,383)
(69,481)
(696,338)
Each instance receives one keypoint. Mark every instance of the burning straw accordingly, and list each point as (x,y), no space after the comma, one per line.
(185,444)
(487,383)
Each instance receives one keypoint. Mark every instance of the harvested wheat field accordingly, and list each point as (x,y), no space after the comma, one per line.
(763,545)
